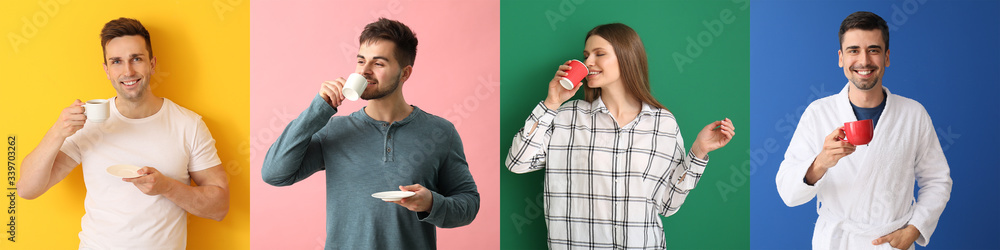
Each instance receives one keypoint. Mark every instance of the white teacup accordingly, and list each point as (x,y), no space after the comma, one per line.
(355,85)
(96,110)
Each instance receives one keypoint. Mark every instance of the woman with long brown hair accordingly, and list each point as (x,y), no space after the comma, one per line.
(615,160)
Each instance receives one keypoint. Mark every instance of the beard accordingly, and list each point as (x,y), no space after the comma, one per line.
(864,84)
(376,93)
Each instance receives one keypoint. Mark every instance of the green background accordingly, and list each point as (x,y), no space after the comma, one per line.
(712,86)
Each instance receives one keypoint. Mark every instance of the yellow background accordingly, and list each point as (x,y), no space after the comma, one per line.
(202,51)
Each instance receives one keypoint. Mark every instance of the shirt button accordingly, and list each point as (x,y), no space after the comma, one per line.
(388,150)
(385,124)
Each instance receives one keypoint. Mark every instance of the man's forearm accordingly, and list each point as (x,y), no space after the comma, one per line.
(37,168)
(451,212)
(814,173)
(289,159)
(209,201)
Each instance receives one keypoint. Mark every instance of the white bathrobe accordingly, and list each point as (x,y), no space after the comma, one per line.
(869,193)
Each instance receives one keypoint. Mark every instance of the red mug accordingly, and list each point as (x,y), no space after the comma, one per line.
(577,72)
(858,132)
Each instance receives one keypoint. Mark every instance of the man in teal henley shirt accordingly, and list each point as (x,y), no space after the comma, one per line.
(387,145)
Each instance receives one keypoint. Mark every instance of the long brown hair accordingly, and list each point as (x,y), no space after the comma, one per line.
(631,55)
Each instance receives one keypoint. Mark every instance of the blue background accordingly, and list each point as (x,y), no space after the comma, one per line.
(943,54)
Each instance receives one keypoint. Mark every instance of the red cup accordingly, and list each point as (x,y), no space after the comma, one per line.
(577,72)
(858,132)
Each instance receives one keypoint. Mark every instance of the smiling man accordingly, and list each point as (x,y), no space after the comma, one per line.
(385,146)
(171,144)
(865,193)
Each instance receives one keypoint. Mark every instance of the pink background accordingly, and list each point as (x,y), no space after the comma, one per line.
(296,45)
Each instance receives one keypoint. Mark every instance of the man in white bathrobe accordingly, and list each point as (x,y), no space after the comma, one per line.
(865,193)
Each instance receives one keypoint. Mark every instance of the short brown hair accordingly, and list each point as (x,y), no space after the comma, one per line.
(864,20)
(396,32)
(631,55)
(124,27)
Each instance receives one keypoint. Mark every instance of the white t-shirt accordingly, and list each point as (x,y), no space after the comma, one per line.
(175,141)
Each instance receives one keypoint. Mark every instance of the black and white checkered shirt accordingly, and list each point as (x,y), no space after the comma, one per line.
(605,185)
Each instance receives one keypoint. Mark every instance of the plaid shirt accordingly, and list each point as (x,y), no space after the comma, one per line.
(605,185)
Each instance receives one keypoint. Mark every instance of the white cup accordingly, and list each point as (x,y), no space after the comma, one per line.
(355,85)
(96,110)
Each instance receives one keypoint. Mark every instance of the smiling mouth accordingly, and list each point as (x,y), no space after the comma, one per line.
(593,73)
(864,71)
(130,82)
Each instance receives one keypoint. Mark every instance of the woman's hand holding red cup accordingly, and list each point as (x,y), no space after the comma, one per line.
(557,94)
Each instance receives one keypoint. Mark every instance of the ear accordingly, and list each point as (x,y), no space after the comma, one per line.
(840,58)
(403,76)
(152,67)
(106,73)
(887,57)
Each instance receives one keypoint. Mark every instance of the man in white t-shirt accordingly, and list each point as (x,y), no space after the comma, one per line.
(171,144)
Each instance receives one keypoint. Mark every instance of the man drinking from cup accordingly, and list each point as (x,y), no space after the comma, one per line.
(171,144)
(866,192)
(387,145)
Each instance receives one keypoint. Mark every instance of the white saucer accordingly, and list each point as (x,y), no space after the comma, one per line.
(393,195)
(124,171)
